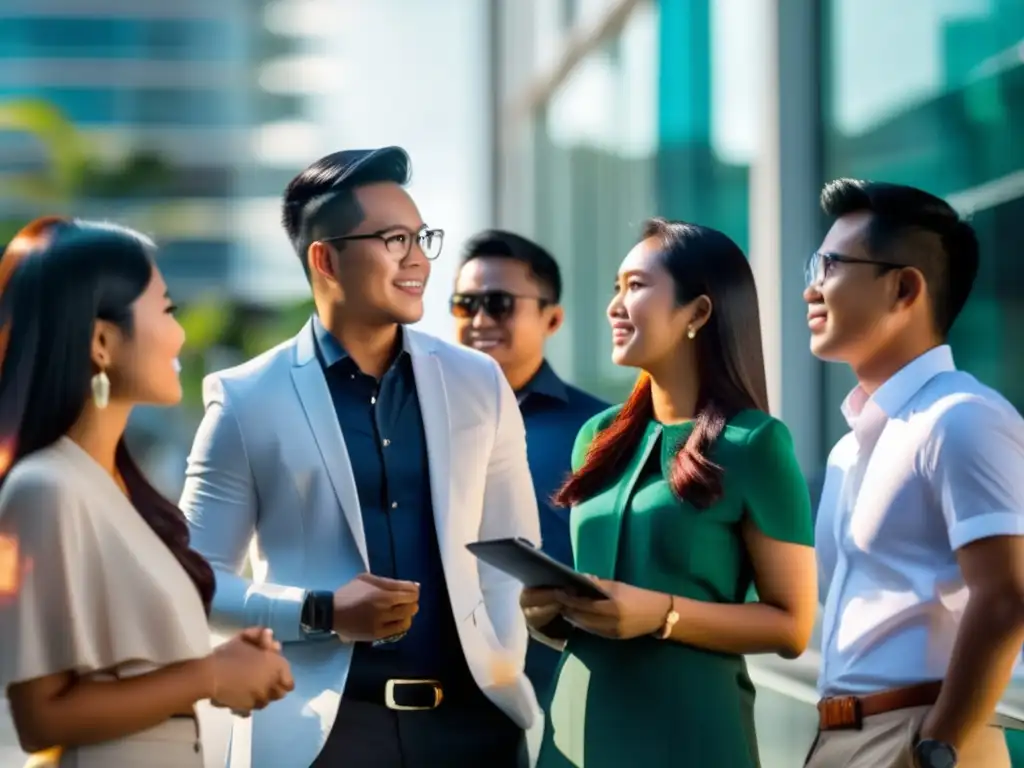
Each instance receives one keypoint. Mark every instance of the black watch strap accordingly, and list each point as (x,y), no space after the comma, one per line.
(929,753)
(318,612)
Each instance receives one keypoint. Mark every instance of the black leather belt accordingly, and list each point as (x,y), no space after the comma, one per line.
(403,695)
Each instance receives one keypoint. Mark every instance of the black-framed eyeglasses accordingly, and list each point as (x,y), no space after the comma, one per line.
(497,305)
(399,240)
(820,263)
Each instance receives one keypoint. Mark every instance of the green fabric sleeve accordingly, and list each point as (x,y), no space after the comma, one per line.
(776,494)
(588,432)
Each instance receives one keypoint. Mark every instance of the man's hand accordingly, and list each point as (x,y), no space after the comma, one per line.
(372,608)
(988,642)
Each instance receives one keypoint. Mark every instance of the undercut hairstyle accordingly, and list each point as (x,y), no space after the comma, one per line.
(730,367)
(320,202)
(911,227)
(507,245)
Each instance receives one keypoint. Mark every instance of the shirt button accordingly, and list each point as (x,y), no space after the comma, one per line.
(386,442)
(373,400)
(394,505)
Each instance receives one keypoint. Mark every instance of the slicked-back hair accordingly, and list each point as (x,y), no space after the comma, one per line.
(913,227)
(508,245)
(321,201)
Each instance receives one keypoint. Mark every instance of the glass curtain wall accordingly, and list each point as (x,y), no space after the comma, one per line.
(660,121)
(934,97)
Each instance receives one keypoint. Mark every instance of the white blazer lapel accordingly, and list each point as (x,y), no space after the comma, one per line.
(315,397)
(433,398)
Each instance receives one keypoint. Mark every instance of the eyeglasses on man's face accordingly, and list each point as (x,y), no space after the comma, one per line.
(399,241)
(821,264)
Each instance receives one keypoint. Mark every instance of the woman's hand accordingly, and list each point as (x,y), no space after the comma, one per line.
(628,612)
(540,607)
(261,638)
(249,672)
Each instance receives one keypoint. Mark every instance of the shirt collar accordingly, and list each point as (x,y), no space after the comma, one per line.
(544,382)
(896,392)
(330,350)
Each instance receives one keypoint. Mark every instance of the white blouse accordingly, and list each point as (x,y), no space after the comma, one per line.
(88,587)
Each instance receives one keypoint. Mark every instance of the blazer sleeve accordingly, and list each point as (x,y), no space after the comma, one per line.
(509,510)
(220,502)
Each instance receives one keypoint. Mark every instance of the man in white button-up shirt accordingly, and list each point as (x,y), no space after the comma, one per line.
(920,532)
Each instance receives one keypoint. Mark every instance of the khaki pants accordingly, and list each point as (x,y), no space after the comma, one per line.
(173,744)
(885,742)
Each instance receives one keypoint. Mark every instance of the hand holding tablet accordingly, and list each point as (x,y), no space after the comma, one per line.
(524,562)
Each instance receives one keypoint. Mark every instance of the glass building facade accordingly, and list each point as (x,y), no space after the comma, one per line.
(639,126)
(734,113)
(164,83)
(934,97)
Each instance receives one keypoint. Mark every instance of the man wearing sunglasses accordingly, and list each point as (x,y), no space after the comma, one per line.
(920,531)
(506,304)
(363,456)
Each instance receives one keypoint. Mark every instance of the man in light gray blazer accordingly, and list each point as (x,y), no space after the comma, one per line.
(363,456)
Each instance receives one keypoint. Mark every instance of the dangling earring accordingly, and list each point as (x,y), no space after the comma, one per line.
(101,390)
(691,333)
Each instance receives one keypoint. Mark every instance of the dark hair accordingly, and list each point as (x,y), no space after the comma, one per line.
(321,202)
(508,245)
(730,362)
(76,273)
(899,216)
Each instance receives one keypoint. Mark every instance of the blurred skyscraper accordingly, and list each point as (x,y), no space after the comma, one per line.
(165,80)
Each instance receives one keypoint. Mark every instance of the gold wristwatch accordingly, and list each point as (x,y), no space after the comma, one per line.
(671,618)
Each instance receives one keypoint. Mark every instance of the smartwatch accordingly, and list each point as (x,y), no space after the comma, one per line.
(929,753)
(317,612)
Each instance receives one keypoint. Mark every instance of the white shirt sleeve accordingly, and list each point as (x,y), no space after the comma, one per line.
(976,466)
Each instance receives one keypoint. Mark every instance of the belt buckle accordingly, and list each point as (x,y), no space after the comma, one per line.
(389,694)
(842,713)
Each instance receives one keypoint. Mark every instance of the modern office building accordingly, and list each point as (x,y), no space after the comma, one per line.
(136,78)
(733,113)
(220,94)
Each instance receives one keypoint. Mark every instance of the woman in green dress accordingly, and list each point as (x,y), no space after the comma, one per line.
(683,499)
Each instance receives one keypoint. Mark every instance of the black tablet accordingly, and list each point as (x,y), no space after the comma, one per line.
(523,561)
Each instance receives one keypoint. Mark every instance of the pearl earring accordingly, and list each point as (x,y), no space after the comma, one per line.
(101,390)
(691,333)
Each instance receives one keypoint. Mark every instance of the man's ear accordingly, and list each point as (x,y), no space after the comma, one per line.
(556,316)
(318,257)
(911,285)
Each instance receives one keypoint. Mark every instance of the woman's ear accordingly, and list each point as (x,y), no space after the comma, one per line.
(701,312)
(105,338)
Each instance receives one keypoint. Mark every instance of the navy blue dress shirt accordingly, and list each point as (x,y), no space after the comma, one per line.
(553,413)
(383,430)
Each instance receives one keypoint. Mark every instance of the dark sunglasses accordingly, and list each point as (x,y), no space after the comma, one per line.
(497,305)
(820,264)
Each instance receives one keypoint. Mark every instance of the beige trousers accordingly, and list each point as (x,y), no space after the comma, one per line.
(173,744)
(885,741)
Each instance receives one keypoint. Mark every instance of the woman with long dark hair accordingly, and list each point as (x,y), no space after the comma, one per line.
(682,499)
(104,644)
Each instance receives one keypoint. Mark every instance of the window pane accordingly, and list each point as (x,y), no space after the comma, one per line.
(113,38)
(662,120)
(934,97)
(151,106)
